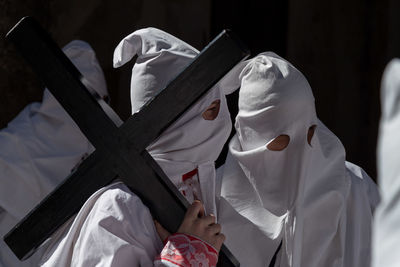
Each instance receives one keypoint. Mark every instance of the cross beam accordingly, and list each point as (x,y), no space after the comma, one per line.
(120,151)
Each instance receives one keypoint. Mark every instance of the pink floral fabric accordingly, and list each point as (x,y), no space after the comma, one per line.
(187,251)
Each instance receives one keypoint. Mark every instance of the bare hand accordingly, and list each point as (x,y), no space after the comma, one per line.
(203,227)
(196,224)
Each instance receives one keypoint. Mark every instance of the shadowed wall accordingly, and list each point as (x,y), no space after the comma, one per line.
(342,48)
(102,24)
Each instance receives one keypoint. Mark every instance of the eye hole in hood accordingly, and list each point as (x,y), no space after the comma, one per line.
(279,143)
(212,110)
(310,133)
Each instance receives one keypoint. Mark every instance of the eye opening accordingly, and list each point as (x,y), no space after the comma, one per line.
(310,133)
(212,110)
(279,143)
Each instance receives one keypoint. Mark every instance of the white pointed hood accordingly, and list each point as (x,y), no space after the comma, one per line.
(266,188)
(191,142)
(275,99)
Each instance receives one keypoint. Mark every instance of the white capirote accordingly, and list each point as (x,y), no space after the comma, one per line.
(115,217)
(303,195)
(387,220)
(40,147)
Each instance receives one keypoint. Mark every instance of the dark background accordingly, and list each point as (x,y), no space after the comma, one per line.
(341,47)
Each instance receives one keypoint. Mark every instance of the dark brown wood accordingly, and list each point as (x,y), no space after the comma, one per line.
(119,151)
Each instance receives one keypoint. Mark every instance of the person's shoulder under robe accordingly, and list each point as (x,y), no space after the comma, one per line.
(114,228)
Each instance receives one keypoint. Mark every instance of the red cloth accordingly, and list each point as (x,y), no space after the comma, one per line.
(186,250)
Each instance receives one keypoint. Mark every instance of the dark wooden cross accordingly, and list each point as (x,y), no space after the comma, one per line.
(120,151)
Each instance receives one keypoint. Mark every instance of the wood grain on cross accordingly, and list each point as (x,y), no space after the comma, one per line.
(120,151)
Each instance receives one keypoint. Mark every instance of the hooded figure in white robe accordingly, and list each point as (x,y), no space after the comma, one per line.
(286,180)
(114,228)
(386,241)
(39,148)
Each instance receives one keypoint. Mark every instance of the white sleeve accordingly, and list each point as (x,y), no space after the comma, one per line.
(113,228)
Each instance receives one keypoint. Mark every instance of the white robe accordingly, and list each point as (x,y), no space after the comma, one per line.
(113,228)
(386,240)
(305,196)
(39,148)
